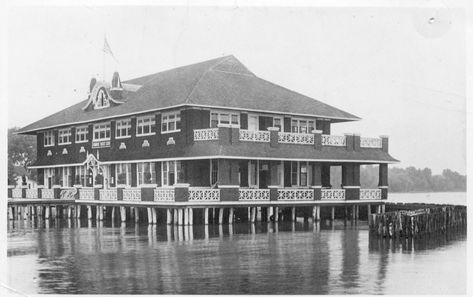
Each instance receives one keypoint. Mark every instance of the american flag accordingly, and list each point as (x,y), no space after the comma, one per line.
(107,49)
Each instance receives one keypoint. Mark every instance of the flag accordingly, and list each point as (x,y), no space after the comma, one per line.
(107,49)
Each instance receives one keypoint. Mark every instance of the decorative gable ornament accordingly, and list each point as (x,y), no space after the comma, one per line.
(171,141)
(82,149)
(145,143)
(102,95)
(64,151)
(49,153)
(122,146)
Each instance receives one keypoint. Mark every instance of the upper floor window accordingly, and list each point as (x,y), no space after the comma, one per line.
(171,122)
(82,133)
(224,118)
(64,136)
(123,128)
(302,126)
(102,131)
(145,125)
(48,138)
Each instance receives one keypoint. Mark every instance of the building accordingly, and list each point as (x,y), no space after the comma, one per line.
(209,133)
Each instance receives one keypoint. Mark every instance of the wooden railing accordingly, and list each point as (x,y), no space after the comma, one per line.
(253,195)
(370,194)
(32,193)
(164,194)
(132,194)
(295,194)
(108,195)
(204,194)
(334,140)
(255,136)
(367,142)
(295,138)
(86,194)
(206,134)
(333,194)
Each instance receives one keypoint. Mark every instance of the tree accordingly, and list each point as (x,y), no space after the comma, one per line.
(21,153)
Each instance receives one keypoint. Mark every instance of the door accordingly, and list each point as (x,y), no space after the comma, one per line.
(253,122)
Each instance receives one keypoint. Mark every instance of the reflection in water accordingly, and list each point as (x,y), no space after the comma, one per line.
(71,256)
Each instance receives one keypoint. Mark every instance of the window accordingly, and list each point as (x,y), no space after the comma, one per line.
(253,173)
(277,123)
(145,125)
(213,171)
(146,173)
(48,138)
(64,136)
(302,126)
(48,177)
(171,122)
(172,172)
(253,122)
(123,174)
(81,176)
(101,99)
(123,128)
(66,177)
(294,174)
(82,133)
(102,131)
(224,118)
(301,174)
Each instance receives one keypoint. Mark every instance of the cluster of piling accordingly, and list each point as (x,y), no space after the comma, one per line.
(418,222)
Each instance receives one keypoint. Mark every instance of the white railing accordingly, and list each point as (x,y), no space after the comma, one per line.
(295,138)
(108,194)
(204,194)
(205,134)
(334,140)
(370,194)
(333,194)
(68,193)
(164,195)
(132,194)
(32,193)
(295,194)
(86,194)
(256,136)
(16,193)
(371,142)
(47,194)
(254,195)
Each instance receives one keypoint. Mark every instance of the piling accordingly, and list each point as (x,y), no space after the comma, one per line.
(137,214)
(276,214)
(191,216)
(123,213)
(293,214)
(220,216)
(230,215)
(206,216)
(168,216)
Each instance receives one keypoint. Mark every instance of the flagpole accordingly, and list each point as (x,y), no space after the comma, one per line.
(103,58)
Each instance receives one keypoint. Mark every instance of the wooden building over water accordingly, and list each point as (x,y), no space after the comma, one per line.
(207,135)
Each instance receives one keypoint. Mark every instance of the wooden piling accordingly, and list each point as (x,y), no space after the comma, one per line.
(276,214)
(220,216)
(230,215)
(206,216)
(168,216)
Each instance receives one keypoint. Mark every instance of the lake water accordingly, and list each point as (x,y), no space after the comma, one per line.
(65,256)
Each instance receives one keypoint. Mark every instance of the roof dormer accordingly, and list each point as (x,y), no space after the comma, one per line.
(100,93)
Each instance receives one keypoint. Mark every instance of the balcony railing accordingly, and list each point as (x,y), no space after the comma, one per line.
(206,134)
(164,195)
(333,194)
(295,138)
(254,195)
(255,136)
(370,194)
(32,193)
(334,140)
(132,194)
(16,193)
(368,142)
(108,195)
(204,194)
(295,194)
(86,194)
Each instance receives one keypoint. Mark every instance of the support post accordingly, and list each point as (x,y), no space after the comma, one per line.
(186,216)
(253,214)
(268,214)
(276,214)
(293,214)
(10,213)
(318,213)
(230,216)
(357,212)
(46,212)
(206,216)
(353,212)
(220,216)
(314,213)
(155,215)
(123,213)
(191,216)
(89,212)
(137,214)
(150,216)
(69,212)
(113,213)
(332,217)
(179,213)
(101,213)
(176,216)
(168,216)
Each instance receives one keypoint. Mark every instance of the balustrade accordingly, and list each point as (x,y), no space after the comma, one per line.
(333,194)
(254,195)
(164,195)
(255,136)
(334,140)
(16,193)
(368,142)
(86,194)
(107,195)
(132,194)
(295,138)
(205,134)
(31,193)
(204,194)
(47,194)
(295,194)
(370,194)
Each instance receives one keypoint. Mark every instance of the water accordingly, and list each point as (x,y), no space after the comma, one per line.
(302,258)
(456,198)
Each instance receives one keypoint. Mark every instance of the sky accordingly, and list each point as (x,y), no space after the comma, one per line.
(402,70)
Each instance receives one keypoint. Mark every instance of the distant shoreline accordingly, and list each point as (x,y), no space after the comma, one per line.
(427,192)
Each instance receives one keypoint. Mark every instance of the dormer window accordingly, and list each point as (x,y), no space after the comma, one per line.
(101,100)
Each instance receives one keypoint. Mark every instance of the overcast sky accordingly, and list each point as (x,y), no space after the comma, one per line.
(401,70)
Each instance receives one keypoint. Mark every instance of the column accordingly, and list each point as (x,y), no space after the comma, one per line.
(176,217)
(253,214)
(230,216)
(276,214)
(10,213)
(206,216)
(357,212)
(89,212)
(191,216)
(123,213)
(150,215)
(46,212)
(168,216)
(353,212)
(186,216)
(179,214)
(318,213)
(137,214)
(113,213)
(332,217)
(220,216)
(293,214)
(155,216)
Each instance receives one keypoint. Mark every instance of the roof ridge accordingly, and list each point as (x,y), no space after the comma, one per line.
(203,74)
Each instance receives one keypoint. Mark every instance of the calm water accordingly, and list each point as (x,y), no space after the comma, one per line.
(301,258)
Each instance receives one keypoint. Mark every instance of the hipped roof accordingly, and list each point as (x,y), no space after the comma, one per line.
(222,83)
